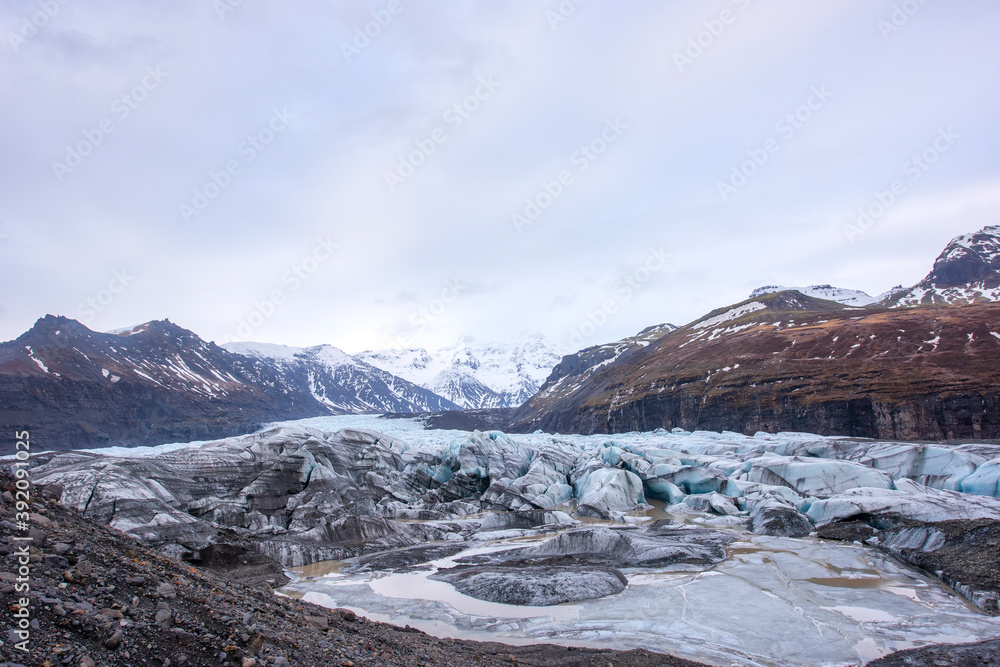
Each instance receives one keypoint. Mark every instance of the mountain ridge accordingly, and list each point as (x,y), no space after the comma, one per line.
(924,368)
(157,382)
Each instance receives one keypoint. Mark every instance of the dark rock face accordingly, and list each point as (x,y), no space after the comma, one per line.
(967,271)
(972,258)
(909,374)
(535,586)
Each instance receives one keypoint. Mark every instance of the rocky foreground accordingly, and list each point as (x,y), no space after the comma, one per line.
(100,598)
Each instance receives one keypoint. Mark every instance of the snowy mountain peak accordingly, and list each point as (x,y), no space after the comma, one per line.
(327,355)
(967,271)
(475,374)
(847,297)
(339,381)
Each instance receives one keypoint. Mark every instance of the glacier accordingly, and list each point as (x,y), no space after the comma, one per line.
(662,531)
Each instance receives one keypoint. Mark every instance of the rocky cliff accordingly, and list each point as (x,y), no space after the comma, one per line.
(788,362)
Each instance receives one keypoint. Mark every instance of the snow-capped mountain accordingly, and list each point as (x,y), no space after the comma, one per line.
(848,297)
(341,382)
(157,382)
(473,374)
(148,384)
(968,271)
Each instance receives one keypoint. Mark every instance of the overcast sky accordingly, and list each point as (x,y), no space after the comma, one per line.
(361,208)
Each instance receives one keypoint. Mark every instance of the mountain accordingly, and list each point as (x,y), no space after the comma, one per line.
(968,271)
(789,362)
(71,387)
(340,382)
(473,374)
(847,297)
(575,370)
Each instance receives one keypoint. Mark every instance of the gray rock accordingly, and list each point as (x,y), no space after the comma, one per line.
(166,590)
(53,560)
(114,641)
(38,537)
(318,622)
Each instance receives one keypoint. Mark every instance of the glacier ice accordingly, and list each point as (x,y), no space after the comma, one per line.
(742,507)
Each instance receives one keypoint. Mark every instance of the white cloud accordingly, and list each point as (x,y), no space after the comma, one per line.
(451,219)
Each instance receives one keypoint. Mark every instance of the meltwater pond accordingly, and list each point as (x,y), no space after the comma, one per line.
(773,601)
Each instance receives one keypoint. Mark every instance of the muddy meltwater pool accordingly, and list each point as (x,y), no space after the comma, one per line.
(774,601)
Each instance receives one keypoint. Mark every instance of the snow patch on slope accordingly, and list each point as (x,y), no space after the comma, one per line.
(731,314)
(849,297)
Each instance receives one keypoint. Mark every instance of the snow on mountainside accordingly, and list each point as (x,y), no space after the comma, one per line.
(968,271)
(148,384)
(849,297)
(341,382)
(473,374)
(575,370)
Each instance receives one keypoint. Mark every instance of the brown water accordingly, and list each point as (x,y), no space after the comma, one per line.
(319,569)
(846,582)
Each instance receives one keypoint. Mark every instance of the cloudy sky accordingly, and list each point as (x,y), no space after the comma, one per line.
(399,172)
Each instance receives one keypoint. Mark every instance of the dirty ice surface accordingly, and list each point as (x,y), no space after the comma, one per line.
(774,601)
